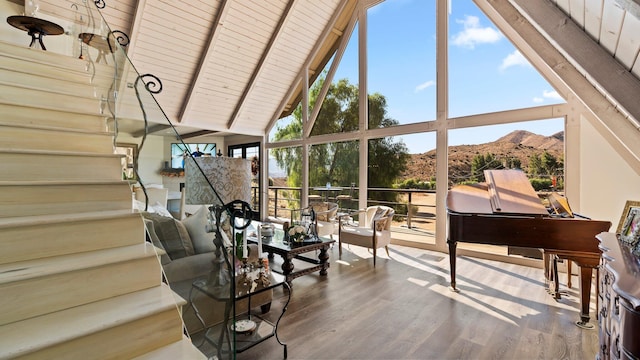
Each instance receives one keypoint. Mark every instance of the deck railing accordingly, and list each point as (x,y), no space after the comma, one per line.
(282,199)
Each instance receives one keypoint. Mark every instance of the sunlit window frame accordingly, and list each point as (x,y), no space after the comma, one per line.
(442,124)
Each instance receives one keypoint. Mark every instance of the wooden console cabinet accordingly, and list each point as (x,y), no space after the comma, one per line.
(619,300)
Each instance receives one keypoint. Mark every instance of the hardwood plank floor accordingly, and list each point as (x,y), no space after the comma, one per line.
(403,309)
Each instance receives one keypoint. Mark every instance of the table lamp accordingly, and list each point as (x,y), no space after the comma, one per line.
(215,182)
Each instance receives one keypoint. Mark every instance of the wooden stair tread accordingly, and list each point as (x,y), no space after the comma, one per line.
(58,218)
(47,330)
(62,182)
(54,128)
(28,269)
(58,152)
(183,350)
(51,59)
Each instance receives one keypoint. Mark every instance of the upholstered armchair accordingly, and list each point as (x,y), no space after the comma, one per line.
(325,217)
(373,230)
(320,216)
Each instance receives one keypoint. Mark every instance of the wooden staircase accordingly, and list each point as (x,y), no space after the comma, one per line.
(77,279)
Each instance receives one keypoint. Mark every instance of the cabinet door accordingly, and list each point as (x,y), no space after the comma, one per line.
(630,326)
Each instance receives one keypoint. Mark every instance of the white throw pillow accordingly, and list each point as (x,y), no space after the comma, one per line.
(195,224)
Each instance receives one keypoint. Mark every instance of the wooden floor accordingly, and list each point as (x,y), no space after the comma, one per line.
(403,309)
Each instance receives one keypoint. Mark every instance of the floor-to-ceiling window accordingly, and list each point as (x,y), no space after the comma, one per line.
(487,93)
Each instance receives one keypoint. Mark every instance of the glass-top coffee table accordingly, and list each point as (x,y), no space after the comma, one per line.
(290,250)
(239,332)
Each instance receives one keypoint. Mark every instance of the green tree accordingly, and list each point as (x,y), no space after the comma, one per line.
(336,162)
(535,165)
(479,163)
(545,164)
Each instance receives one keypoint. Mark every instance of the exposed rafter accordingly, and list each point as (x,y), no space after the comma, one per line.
(207,54)
(274,36)
(555,28)
(197,134)
(135,27)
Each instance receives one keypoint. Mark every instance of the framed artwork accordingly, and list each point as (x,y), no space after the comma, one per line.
(130,151)
(627,207)
(630,229)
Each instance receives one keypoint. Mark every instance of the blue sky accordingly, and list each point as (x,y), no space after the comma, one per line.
(486,72)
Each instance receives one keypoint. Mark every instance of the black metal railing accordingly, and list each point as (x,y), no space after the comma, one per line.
(410,205)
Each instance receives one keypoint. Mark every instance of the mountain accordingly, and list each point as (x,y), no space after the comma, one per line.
(518,144)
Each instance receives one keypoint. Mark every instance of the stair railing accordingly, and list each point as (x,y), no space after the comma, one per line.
(127,101)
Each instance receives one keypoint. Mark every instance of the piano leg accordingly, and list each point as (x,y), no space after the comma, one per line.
(585,297)
(554,283)
(452,263)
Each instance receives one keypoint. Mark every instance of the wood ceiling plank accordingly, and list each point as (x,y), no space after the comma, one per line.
(205,58)
(593,17)
(577,11)
(564,5)
(612,17)
(176,19)
(277,31)
(629,42)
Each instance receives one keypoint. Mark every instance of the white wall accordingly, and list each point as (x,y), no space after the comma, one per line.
(150,160)
(607,180)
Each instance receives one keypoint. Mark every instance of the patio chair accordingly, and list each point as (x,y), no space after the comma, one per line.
(373,230)
(325,217)
(340,199)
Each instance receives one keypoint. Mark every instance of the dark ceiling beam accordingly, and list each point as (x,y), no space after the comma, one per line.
(197,133)
(206,56)
(252,81)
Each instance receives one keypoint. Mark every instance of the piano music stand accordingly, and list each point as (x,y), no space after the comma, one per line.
(518,218)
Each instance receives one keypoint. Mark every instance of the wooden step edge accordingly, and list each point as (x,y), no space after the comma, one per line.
(50,58)
(69,218)
(76,73)
(55,128)
(29,269)
(23,337)
(57,152)
(65,182)
(83,94)
(183,350)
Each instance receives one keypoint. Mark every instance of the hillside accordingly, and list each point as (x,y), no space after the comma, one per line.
(519,144)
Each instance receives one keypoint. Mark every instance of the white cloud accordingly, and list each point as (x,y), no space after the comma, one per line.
(474,34)
(424,85)
(552,95)
(514,59)
(547,94)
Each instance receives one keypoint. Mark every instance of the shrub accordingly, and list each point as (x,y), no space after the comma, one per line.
(540,184)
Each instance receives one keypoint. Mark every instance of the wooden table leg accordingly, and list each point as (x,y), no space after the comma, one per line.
(323,257)
(287,267)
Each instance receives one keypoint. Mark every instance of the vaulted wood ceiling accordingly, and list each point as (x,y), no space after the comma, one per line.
(227,65)
(235,65)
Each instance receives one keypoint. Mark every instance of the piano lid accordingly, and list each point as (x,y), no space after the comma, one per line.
(505,192)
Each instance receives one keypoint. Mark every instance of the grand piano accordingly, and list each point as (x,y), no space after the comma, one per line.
(505,210)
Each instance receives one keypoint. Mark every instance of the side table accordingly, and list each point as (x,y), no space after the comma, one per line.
(102,43)
(35,27)
(230,336)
